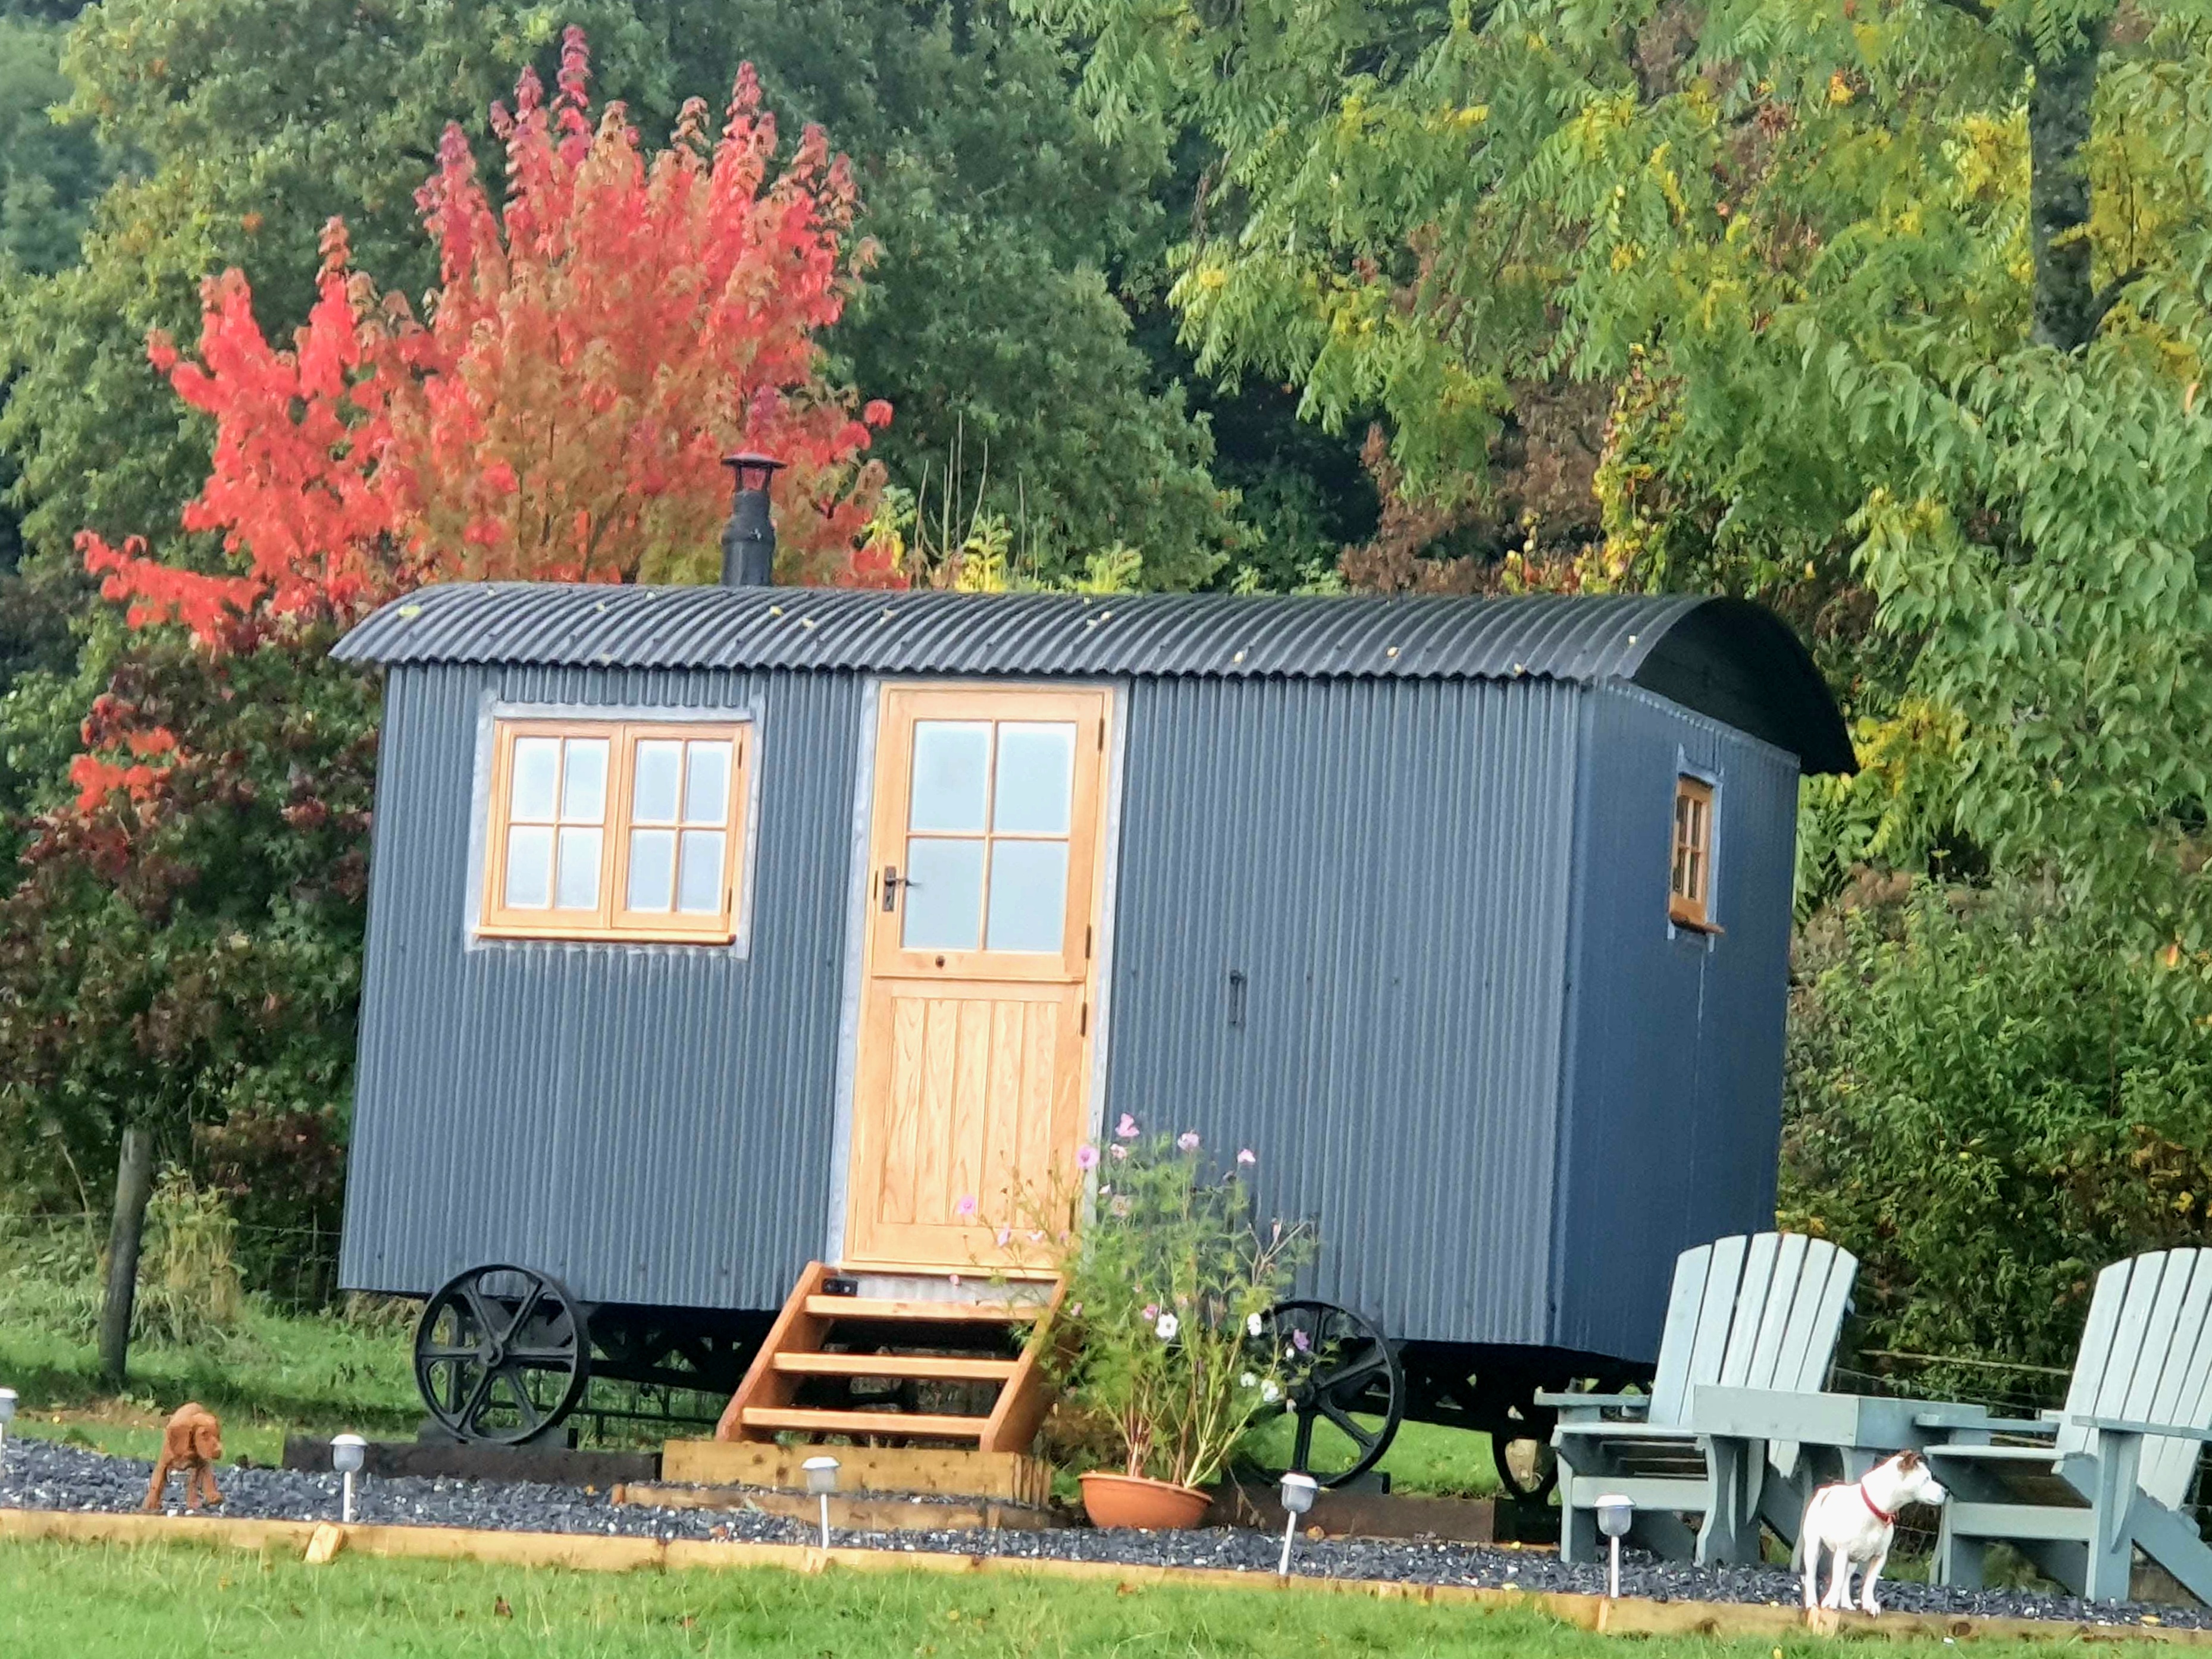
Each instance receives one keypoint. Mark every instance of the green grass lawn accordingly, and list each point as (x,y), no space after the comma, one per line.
(267,1372)
(179,1602)
(275,1373)
(1423,1458)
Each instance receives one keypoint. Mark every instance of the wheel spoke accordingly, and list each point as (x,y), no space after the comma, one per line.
(527,1306)
(479,1309)
(479,1397)
(1353,1430)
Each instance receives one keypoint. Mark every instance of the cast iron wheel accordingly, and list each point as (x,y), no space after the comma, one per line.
(1547,1466)
(502,1354)
(1335,1365)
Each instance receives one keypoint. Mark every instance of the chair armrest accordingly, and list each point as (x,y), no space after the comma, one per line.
(1591,1402)
(2122,1426)
(1941,1419)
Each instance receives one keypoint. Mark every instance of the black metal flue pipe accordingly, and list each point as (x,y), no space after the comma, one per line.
(749,539)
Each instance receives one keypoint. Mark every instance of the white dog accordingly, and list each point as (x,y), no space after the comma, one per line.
(1855,1524)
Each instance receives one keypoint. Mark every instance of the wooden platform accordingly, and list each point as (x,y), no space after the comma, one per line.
(1008,1477)
(804,1381)
(852,1512)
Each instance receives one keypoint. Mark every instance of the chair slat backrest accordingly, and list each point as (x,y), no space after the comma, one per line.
(1759,1311)
(2146,1357)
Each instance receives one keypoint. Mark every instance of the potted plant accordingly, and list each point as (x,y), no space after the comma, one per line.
(1169,1285)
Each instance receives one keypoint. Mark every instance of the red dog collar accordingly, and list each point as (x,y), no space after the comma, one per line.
(1882,1516)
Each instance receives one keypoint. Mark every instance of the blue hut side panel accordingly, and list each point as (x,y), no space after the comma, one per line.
(1386,864)
(1673,1038)
(651,1124)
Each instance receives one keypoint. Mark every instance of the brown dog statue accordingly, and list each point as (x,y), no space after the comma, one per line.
(192,1442)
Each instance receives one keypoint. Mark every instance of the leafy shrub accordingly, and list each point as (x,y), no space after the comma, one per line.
(1169,1284)
(1990,1097)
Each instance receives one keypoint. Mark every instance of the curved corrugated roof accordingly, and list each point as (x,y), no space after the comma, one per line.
(1730,659)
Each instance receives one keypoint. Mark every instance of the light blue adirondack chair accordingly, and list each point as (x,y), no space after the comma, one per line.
(1758,1312)
(2114,1466)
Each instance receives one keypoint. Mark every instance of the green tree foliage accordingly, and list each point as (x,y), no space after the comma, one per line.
(993,320)
(994,323)
(51,173)
(1991,1094)
(196,954)
(1896,297)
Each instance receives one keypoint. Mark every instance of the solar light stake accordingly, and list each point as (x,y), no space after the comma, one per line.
(1614,1512)
(7,1416)
(822,1481)
(348,1453)
(1297,1495)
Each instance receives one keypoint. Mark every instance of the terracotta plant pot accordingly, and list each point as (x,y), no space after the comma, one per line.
(1133,1500)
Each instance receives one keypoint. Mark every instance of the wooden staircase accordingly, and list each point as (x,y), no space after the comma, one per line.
(827,1341)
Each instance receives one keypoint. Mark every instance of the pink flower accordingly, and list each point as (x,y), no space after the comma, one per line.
(1245,1158)
(1301,1341)
(1126,1128)
(1119,1151)
(1036,1235)
(1087,1157)
(1006,1236)
(1187,1140)
(952,1278)
(1151,1310)
(966,1206)
(1076,1312)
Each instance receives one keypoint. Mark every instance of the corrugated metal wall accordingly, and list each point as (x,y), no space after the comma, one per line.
(1674,1092)
(1396,868)
(649,1123)
(1387,866)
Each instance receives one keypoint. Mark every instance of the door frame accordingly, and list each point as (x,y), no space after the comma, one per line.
(860,872)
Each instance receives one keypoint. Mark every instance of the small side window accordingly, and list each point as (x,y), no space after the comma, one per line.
(1690,886)
(628,829)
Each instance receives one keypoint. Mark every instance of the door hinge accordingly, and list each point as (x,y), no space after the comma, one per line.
(1102,737)
(1087,943)
(1083,1021)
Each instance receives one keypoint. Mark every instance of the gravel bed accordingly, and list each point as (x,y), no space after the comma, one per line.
(43,1475)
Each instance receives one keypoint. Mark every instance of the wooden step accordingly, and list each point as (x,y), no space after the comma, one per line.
(916,1425)
(934,1313)
(921,1367)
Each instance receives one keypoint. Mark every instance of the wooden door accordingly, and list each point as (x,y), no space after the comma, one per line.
(971,1086)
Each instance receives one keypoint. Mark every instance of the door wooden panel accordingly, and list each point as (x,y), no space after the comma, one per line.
(971,1086)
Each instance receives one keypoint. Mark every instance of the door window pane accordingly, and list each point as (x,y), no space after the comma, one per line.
(1028,895)
(529,866)
(584,782)
(651,869)
(660,766)
(578,888)
(707,784)
(699,875)
(943,896)
(1036,779)
(951,761)
(537,774)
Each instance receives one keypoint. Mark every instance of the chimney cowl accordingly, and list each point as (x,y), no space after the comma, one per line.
(749,539)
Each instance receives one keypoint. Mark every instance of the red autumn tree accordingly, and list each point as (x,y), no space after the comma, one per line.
(181,953)
(596,344)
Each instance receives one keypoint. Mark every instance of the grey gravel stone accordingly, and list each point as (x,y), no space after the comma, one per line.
(43,1475)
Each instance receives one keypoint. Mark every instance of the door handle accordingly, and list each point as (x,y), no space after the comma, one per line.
(891,887)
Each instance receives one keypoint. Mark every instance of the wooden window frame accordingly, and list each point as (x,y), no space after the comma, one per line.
(610,921)
(1691,908)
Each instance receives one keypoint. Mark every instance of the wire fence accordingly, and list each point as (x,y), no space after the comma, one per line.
(292,1269)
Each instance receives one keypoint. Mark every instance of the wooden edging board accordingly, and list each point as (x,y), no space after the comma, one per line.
(849,1513)
(587,1552)
(1011,1477)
